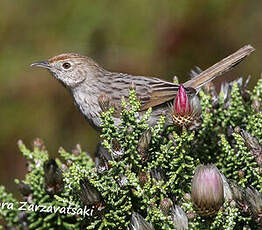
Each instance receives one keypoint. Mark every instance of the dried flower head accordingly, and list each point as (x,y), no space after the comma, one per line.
(54,183)
(157,174)
(239,196)
(143,144)
(207,190)
(166,205)
(122,181)
(185,109)
(101,164)
(102,152)
(139,223)
(254,199)
(24,189)
(88,194)
(143,178)
(195,72)
(179,218)
(117,150)
(228,194)
(253,146)
(226,90)
(256,105)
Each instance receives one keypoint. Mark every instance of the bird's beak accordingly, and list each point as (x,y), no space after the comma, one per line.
(44,64)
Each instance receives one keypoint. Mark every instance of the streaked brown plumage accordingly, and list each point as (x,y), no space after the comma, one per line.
(87,81)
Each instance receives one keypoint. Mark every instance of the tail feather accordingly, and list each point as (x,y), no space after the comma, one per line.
(219,68)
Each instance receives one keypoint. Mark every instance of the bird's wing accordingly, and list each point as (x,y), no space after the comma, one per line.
(149,90)
(161,92)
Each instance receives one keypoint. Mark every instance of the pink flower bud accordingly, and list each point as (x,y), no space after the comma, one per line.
(185,108)
(207,190)
(181,103)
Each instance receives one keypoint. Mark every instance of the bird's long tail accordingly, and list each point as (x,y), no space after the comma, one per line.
(219,68)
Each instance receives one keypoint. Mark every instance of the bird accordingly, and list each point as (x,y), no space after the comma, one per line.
(88,82)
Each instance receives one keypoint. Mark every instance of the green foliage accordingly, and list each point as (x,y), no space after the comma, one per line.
(148,36)
(146,166)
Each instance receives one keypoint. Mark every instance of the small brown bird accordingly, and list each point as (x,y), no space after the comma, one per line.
(87,81)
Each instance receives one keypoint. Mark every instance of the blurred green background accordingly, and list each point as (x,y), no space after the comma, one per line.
(145,37)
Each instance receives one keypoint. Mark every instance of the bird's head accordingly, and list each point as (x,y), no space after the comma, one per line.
(70,69)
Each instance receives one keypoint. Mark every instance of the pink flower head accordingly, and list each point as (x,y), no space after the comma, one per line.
(186,107)
(207,190)
(182,105)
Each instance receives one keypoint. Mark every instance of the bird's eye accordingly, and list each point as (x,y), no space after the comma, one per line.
(66,65)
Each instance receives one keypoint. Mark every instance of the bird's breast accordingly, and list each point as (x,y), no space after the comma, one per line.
(87,104)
